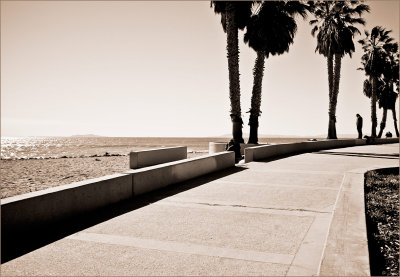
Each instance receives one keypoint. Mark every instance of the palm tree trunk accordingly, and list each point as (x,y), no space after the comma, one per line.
(395,121)
(383,122)
(330,74)
(331,112)
(258,73)
(373,107)
(233,68)
(335,92)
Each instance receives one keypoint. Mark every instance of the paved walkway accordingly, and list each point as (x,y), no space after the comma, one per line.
(260,218)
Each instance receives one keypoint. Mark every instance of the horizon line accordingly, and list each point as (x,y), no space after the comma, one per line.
(214,136)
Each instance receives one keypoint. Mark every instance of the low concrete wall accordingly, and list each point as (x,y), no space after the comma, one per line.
(151,178)
(216,147)
(269,151)
(384,140)
(37,209)
(143,158)
(61,202)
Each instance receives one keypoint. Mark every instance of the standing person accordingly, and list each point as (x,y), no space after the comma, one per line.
(359,125)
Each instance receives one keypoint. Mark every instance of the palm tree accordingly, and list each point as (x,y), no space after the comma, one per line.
(387,102)
(234,16)
(376,47)
(334,25)
(386,98)
(380,86)
(270,31)
(386,94)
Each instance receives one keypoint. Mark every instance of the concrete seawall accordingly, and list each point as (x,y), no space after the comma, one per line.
(384,140)
(262,152)
(37,209)
(31,210)
(143,158)
(216,147)
(257,153)
(158,176)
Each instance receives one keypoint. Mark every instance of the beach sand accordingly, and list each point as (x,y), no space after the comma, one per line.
(23,176)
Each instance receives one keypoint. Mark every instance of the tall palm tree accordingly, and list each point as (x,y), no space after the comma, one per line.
(270,31)
(375,46)
(334,25)
(380,86)
(234,17)
(386,94)
(386,99)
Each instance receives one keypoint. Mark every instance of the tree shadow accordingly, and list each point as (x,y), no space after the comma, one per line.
(393,156)
(365,155)
(15,244)
(280,157)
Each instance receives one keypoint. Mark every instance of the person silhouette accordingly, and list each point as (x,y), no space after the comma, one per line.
(235,147)
(359,124)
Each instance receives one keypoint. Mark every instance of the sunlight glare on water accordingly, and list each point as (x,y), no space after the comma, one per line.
(65,147)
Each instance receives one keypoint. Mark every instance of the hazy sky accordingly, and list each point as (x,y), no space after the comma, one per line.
(159,68)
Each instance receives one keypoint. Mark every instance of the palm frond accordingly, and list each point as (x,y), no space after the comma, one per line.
(336,29)
(361,8)
(314,30)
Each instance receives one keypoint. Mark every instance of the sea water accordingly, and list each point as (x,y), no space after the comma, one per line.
(16,148)
(69,147)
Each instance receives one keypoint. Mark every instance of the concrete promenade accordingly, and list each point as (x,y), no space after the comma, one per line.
(299,215)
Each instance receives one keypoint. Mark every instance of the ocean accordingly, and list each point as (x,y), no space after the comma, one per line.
(21,148)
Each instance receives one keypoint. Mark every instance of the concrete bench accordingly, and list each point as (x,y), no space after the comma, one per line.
(149,157)
(154,177)
(269,151)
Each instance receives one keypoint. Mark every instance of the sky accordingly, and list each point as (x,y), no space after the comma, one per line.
(159,68)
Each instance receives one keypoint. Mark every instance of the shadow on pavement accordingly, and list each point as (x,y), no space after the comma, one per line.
(280,157)
(366,155)
(328,152)
(17,244)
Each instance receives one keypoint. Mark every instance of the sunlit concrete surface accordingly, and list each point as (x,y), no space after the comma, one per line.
(266,218)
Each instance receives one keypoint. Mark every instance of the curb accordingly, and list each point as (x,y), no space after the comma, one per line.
(346,247)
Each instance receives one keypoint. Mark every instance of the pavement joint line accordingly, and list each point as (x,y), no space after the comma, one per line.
(271,184)
(305,171)
(330,223)
(364,155)
(183,247)
(242,208)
